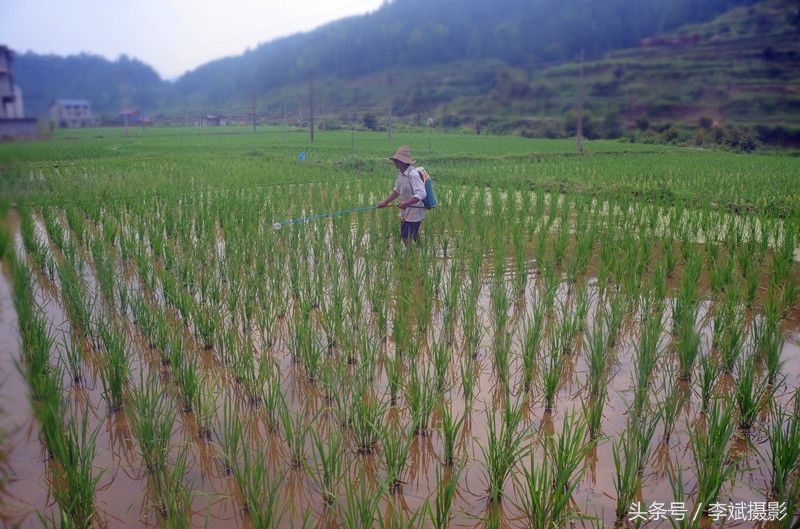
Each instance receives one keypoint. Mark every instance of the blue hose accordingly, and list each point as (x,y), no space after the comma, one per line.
(279,225)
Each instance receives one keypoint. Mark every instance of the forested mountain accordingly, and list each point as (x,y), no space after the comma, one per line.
(411,35)
(421,33)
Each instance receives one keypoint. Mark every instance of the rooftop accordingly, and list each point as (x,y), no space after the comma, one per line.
(72,102)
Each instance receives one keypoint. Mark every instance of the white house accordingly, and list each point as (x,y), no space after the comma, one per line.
(71,113)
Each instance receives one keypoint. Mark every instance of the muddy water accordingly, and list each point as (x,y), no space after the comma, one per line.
(122,497)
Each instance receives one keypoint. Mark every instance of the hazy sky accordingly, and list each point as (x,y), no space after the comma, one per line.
(173,36)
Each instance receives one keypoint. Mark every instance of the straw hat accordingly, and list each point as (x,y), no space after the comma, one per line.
(403,154)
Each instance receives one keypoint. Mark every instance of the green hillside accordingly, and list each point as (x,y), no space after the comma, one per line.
(738,68)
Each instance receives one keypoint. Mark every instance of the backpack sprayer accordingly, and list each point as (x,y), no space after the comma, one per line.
(429,202)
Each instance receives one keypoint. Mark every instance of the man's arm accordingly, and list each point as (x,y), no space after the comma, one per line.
(388,200)
(410,202)
(418,188)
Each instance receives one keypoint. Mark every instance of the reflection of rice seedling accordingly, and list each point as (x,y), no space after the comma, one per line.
(503,447)
(709,447)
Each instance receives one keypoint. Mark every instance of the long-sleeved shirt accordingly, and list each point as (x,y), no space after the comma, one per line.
(409,184)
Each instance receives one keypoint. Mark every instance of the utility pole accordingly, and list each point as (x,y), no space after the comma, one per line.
(430,125)
(125,96)
(391,104)
(579,128)
(311,102)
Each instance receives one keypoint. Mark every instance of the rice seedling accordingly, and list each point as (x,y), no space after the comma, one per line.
(467,368)
(73,296)
(550,378)
(441,513)
(545,490)
(272,399)
(689,519)
(366,420)
(627,479)
(784,444)
(114,368)
(533,331)
(451,431)
(709,447)
(295,431)
(504,446)
(421,399)
(708,376)
(398,519)
(74,360)
(152,419)
(362,505)
(395,446)
(186,376)
(441,356)
(259,489)
(674,399)
(749,392)
(328,467)
(176,499)
(76,481)
(230,431)
(394,378)
(205,408)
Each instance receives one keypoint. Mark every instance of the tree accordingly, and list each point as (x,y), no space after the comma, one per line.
(370,121)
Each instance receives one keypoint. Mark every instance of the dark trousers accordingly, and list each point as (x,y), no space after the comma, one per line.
(409,230)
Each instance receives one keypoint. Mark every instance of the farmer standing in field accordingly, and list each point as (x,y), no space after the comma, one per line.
(411,190)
